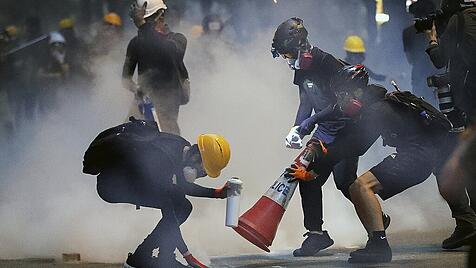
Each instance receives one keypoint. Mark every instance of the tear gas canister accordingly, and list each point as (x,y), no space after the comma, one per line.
(233,202)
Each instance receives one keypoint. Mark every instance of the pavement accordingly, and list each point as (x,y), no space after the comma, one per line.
(404,255)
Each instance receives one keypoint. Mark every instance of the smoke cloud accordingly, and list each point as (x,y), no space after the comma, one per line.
(49,207)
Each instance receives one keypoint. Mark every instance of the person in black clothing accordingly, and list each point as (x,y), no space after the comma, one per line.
(414,47)
(313,69)
(136,164)
(158,53)
(417,134)
(454,46)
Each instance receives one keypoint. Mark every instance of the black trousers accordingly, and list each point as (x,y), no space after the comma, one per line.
(167,236)
(457,200)
(345,173)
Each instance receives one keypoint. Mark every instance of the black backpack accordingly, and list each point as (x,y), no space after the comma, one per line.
(430,117)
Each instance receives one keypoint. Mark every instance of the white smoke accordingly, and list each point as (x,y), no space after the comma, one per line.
(49,207)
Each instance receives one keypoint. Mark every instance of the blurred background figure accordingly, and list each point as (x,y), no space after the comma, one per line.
(53,73)
(9,72)
(414,46)
(77,56)
(355,50)
(212,25)
(110,33)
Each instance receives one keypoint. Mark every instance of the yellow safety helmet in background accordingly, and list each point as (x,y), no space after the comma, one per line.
(66,23)
(12,31)
(215,153)
(354,44)
(113,19)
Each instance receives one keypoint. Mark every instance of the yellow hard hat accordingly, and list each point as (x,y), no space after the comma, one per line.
(215,153)
(113,19)
(11,30)
(66,23)
(354,44)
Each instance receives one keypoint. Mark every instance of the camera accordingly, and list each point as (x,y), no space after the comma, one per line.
(438,80)
(426,23)
(445,101)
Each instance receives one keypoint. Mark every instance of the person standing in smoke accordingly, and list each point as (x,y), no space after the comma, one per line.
(158,54)
(355,50)
(313,69)
(136,164)
(53,73)
(414,46)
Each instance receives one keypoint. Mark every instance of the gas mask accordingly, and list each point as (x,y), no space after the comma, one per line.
(190,174)
(349,105)
(302,62)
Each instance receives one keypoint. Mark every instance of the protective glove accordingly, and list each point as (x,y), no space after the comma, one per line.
(300,173)
(194,262)
(293,139)
(222,192)
(137,14)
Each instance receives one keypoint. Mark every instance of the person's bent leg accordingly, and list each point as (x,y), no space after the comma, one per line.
(368,208)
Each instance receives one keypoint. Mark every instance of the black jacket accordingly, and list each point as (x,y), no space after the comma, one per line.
(397,125)
(457,48)
(159,58)
(136,164)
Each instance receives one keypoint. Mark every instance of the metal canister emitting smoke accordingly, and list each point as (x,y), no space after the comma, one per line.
(260,223)
(233,202)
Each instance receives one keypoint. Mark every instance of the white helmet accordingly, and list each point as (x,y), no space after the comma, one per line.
(152,6)
(56,37)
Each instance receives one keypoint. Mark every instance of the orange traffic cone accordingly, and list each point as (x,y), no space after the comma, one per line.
(260,223)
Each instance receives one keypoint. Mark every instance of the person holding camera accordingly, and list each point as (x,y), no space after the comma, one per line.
(452,44)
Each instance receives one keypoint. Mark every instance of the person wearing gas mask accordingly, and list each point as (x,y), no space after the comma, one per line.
(412,126)
(313,69)
(136,164)
(53,73)
(158,54)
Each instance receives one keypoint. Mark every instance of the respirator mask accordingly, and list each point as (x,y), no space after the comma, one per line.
(302,62)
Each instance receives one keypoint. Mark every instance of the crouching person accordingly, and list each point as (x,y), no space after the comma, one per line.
(137,164)
(413,127)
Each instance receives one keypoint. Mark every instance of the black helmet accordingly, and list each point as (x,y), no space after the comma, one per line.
(290,37)
(350,77)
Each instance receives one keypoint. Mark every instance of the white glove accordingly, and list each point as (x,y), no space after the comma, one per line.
(293,139)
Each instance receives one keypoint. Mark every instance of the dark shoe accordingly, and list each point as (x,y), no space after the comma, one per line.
(136,261)
(313,244)
(461,236)
(386,220)
(374,251)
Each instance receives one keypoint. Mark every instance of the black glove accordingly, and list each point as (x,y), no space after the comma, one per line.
(137,14)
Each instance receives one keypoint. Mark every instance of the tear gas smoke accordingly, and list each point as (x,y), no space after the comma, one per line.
(48,206)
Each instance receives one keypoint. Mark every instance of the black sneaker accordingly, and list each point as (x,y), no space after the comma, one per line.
(313,244)
(135,261)
(374,251)
(461,236)
(386,220)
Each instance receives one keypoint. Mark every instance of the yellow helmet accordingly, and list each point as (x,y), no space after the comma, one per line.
(11,30)
(113,19)
(66,23)
(215,153)
(354,44)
